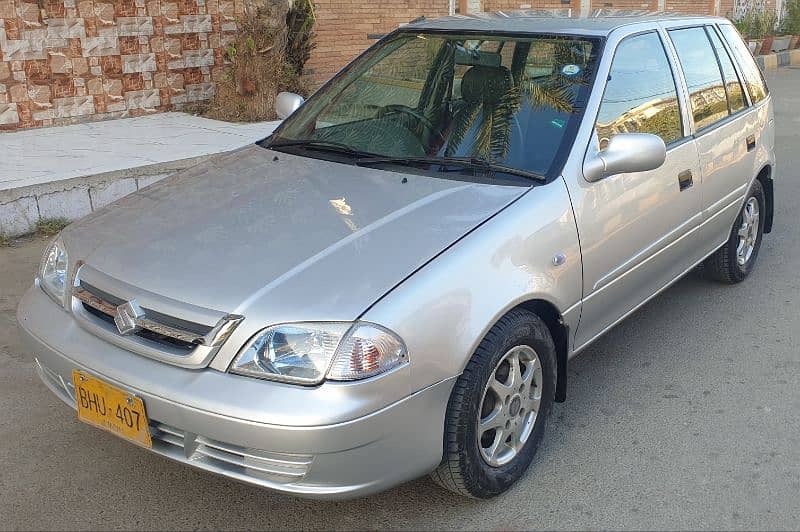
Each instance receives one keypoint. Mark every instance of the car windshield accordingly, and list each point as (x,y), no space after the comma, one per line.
(504,102)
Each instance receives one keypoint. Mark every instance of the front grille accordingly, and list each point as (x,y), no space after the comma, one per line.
(214,455)
(154,326)
(157,328)
(142,333)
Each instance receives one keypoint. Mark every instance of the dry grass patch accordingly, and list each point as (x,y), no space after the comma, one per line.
(45,227)
(50,226)
(265,57)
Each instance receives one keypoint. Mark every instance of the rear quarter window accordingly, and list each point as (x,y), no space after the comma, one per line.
(732,85)
(753,79)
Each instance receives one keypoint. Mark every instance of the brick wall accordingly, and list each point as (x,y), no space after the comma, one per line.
(681,6)
(501,5)
(344,28)
(67,60)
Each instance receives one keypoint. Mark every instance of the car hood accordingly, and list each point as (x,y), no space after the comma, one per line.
(304,238)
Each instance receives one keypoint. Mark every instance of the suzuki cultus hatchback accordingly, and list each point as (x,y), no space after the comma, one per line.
(393,283)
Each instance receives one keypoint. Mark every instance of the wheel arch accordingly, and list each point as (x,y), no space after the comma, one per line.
(764,176)
(551,316)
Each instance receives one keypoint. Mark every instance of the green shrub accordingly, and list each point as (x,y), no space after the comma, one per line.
(756,23)
(791,20)
(742,26)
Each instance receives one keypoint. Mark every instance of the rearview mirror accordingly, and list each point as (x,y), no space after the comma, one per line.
(625,152)
(287,103)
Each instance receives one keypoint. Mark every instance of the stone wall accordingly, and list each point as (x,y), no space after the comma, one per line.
(63,61)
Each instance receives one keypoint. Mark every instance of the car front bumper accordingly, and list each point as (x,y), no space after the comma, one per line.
(337,460)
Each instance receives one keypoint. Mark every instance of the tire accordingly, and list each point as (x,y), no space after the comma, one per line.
(727,264)
(465,468)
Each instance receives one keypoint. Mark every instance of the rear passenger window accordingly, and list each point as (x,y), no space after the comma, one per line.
(703,78)
(752,75)
(640,95)
(732,85)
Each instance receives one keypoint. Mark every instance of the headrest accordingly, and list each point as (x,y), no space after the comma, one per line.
(485,84)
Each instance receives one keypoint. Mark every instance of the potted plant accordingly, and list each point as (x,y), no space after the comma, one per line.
(766,21)
(791,22)
(782,40)
(750,26)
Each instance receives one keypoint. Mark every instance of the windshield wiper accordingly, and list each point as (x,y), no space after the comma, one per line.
(321,145)
(475,163)
(367,158)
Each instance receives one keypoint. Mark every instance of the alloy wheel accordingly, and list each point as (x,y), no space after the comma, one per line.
(509,405)
(748,232)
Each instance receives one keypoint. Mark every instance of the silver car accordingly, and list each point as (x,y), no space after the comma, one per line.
(393,283)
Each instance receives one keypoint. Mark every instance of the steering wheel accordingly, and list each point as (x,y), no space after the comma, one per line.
(399,108)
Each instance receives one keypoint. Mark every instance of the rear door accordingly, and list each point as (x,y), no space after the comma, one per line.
(723,129)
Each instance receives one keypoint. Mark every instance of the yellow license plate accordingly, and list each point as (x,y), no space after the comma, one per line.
(107,407)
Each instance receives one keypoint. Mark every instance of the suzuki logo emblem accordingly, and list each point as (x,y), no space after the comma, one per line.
(126,316)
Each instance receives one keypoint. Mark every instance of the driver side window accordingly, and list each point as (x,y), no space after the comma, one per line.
(640,95)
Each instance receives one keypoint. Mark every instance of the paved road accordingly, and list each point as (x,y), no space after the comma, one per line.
(684,416)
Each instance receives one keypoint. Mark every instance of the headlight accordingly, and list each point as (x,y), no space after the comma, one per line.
(305,353)
(53,270)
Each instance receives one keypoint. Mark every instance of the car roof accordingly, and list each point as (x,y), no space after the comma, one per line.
(598,22)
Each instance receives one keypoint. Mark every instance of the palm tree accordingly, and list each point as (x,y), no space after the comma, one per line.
(496,115)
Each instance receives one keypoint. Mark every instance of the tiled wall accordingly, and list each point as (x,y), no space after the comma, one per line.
(67,60)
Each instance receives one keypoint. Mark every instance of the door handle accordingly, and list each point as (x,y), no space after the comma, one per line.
(685,179)
(751,142)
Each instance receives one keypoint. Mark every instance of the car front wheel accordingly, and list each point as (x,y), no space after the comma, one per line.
(498,408)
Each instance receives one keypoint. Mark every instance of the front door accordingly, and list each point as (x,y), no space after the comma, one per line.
(638,230)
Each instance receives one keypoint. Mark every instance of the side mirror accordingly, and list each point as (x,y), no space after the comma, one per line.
(287,103)
(625,152)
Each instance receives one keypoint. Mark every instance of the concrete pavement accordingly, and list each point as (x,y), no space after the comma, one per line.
(36,156)
(687,415)
(70,171)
